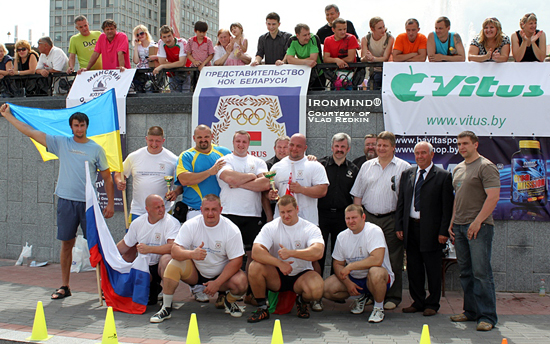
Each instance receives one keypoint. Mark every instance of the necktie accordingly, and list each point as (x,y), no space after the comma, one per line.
(417,190)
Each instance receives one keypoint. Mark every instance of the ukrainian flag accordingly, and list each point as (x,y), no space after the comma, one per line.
(103,128)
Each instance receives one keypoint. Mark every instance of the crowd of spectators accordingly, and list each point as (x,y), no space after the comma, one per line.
(336,42)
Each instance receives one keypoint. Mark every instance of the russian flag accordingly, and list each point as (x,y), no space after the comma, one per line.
(125,285)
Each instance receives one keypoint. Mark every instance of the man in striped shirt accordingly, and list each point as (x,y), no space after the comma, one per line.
(376,188)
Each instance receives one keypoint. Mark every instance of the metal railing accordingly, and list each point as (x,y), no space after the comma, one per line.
(325,76)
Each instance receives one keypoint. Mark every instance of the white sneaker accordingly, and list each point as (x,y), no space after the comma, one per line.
(232,308)
(358,306)
(377,315)
(317,306)
(198,293)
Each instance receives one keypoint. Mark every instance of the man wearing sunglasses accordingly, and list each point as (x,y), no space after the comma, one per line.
(82,45)
(377,188)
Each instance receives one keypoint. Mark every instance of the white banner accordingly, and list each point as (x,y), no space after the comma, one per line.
(490,99)
(92,84)
(266,101)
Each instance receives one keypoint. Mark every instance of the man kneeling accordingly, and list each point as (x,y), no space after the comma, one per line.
(153,234)
(277,267)
(209,251)
(361,265)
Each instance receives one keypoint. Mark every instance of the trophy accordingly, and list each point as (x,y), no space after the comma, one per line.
(168,180)
(271,175)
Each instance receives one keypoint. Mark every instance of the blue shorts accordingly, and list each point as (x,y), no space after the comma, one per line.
(70,214)
(362,283)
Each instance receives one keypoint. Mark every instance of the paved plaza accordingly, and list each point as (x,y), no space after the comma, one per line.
(523,318)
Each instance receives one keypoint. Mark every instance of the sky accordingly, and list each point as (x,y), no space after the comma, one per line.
(466,15)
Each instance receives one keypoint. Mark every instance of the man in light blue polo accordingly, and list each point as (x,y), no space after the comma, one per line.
(72,152)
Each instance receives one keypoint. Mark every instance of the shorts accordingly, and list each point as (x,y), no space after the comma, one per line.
(70,214)
(201,280)
(287,282)
(154,287)
(249,226)
(362,282)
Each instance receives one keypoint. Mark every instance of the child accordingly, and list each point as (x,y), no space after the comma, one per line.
(239,45)
(200,49)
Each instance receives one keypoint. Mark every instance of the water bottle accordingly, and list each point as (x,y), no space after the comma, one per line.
(542,289)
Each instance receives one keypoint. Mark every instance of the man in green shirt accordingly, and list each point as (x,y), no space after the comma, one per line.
(304,49)
(83,44)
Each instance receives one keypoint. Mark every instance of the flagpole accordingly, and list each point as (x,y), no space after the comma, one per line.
(98,279)
(124,203)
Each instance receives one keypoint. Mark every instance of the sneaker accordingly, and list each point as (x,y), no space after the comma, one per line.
(377,315)
(358,305)
(317,306)
(220,302)
(161,315)
(198,293)
(250,300)
(301,308)
(233,309)
(390,305)
(259,315)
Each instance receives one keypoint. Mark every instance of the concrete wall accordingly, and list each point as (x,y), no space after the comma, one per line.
(27,206)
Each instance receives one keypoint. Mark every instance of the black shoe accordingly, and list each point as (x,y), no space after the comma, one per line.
(301,308)
(259,315)
(161,315)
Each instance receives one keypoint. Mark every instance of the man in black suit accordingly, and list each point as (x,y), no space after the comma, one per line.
(424,211)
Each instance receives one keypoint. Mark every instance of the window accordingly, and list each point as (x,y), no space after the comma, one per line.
(70,4)
(70,19)
(97,3)
(150,14)
(58,4)
(96,19)
(109,3)
(109,16)
(57,37)
(83,3)
(57,20)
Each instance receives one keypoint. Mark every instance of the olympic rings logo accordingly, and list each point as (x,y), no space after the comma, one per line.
(248,115)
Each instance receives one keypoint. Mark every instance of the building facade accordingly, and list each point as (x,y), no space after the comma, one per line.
(130,13)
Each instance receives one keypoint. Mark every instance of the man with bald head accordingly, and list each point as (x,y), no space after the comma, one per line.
(196,171)
(306,180)
(423,215)
(152,234)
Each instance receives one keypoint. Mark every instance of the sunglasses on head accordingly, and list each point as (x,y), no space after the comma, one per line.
(21,49)
(140,34)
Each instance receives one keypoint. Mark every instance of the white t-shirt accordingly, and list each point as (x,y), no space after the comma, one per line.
(351,248)
(239,201)
(219,51)
(222,243)
(158,234)
(148,171)
(307,173)
(55,60)
(298,237)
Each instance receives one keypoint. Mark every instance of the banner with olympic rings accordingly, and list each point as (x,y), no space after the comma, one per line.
(267,101)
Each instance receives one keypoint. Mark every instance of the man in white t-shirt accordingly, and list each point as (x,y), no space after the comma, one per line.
(152,234)
(283,253)
(297,176)
(52,59)
(209,251)
(242,180)
(148,167)
(361,265)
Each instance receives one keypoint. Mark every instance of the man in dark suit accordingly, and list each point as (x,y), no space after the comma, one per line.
(424,211)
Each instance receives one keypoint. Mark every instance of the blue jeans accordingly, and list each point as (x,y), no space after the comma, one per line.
(476,274)
(180,82)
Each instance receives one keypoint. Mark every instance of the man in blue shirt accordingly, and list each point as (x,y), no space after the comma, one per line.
(71,182)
